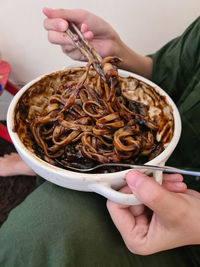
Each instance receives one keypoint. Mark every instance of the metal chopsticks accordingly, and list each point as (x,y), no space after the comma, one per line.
(85,48)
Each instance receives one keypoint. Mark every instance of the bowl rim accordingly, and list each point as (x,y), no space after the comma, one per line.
(21,148)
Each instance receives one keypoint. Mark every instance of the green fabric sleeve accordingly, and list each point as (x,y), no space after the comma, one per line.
(176,69)
(175,64)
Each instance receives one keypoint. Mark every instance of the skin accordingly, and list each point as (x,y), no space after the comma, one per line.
(12,164)
(168,219)
(170,214)
(101,35)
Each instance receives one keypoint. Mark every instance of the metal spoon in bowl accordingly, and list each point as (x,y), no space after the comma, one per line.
(166,169)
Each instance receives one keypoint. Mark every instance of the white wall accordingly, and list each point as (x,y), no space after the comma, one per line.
(145,25)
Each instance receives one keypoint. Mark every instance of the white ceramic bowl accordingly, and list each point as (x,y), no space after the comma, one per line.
(105,184)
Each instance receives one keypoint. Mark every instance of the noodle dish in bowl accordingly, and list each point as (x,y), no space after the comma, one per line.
(74,117)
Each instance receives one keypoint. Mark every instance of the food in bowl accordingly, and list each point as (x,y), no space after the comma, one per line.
(75,118)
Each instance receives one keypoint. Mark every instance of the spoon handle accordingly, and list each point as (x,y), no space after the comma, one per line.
(166,169)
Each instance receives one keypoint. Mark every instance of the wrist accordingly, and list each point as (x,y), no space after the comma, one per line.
(133,62)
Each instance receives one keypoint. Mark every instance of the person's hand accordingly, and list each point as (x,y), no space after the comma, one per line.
(102,36)
(169,218)
(99,33)
(12,165)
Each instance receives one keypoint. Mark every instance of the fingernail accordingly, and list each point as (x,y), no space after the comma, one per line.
(134,179)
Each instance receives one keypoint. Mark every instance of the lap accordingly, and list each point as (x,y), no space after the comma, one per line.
(59,227)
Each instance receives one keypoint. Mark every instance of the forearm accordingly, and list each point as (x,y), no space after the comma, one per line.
(134,62)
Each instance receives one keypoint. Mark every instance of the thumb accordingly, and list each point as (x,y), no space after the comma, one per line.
(152,194)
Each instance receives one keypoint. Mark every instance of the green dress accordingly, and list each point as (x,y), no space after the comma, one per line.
(58,227)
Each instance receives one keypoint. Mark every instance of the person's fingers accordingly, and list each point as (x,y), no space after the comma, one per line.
(60,38)
(56,24)
(88,35)
(135,210)
(153,195)
(132,228)
(174,183)
(173,177)
(77,16)
(56,32)
(84,28)
(193,193)
(70,49)
(178,187)
(129,220)
(73,53)
(121,216)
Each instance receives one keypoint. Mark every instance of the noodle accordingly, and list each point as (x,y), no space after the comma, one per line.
(90,123)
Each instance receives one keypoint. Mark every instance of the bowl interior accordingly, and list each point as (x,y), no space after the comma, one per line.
(32,99)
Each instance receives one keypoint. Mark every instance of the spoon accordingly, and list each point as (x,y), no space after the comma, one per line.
(166,169)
